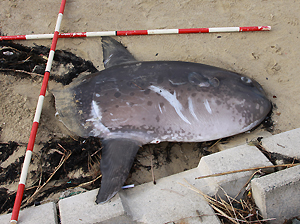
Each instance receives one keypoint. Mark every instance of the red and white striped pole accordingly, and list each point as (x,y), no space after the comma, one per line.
(139,32)
(21,187)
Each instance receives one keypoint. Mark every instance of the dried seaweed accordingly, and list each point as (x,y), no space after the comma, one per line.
(7,149)
(28,60)
(231,210)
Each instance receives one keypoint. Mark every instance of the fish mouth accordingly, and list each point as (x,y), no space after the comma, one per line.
(251,87)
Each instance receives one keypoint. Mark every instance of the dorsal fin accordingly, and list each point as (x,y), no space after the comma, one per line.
(114,53)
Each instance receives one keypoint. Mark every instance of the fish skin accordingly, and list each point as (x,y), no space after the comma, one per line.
(134,103)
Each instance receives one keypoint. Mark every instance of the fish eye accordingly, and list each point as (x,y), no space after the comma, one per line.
(246,80)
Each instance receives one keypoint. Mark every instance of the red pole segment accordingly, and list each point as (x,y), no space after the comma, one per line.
(138,32)
(21,187)
(132,32)
(253,28)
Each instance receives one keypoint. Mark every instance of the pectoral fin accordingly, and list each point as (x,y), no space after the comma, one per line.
(117,158)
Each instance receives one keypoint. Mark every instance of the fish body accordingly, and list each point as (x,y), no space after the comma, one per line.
(131,103)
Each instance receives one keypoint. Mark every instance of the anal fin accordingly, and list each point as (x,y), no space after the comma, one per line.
(116,161)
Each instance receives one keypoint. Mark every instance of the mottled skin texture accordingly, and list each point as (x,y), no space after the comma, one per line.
(132,103)
(131,106)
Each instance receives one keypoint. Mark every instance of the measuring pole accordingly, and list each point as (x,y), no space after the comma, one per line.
(21,187)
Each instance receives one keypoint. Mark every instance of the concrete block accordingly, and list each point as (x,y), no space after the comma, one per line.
(83,209)
(237,158)
(45,214)
(148,204)
(277,194)
(168,201)
(286,143)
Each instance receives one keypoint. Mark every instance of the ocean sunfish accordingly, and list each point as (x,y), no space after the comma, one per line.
(131,103)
